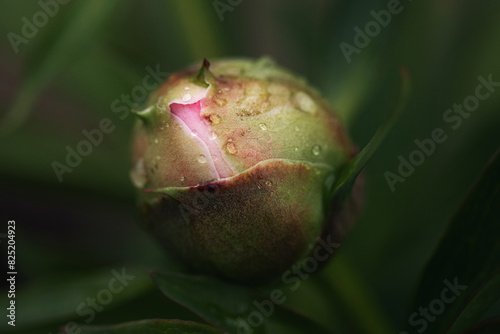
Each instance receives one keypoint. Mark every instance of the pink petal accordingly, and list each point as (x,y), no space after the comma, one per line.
(190,115)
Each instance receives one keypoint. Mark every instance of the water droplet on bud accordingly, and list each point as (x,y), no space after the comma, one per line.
(316,150)
(231,148)
(215,119)
(194,133)
(186,97)
(212,136)
(305,103)
(138,174)
(202,159)
(219,101)
(162,105)
(263,126)
(268,183)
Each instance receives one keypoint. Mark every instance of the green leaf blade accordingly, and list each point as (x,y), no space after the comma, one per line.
(72,37)
(485,298)
(154,326)
(354,167)
(231,307)
(468,257)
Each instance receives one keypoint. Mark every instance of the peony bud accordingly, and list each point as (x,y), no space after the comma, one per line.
(235,164)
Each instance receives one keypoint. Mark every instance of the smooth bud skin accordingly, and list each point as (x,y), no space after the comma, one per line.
(235,164)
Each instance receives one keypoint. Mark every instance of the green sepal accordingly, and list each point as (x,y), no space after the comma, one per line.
(354,167)
(203,77)
(149,115)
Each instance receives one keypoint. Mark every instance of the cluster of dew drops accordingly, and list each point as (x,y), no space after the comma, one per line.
(230,146)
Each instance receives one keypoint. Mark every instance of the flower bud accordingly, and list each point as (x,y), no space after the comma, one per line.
(235,164)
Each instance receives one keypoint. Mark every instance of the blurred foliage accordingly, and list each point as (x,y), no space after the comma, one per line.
(64,79)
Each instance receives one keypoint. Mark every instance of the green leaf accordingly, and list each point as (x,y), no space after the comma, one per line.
(57,297)
(352,169)
(233,308)
(485,298)
(352,300)
(463,273)
(72,37)
(350,87)
(156,326)
(490,326)
(87,176)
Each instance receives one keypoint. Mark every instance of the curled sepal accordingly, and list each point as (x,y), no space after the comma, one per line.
(203,76)
(149,116)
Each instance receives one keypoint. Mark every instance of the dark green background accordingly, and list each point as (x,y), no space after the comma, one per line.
(87,222)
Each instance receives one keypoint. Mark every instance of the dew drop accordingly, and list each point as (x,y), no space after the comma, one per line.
(212,135)
(162,105)
(316,150)
(231,148)
(268,183)
(296,148)
(215,119)
(194,133)
(186,97)
(219,101)
(138,174)
(305,102)
(263,126)
(202,159)
(156,140)
(186,88)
